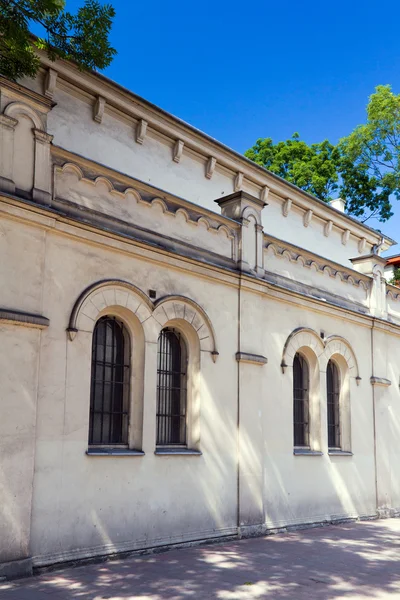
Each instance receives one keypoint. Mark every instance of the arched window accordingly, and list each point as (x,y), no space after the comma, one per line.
(109,398)
(171,388)
(300,401)
(333,395)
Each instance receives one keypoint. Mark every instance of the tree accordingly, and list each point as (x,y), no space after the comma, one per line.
(396,278)
(326,171)
(312,168)
(82,38)
(364,168)
(374,149)
(365,197)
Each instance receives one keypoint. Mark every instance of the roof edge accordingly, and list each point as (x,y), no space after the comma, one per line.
(46,62)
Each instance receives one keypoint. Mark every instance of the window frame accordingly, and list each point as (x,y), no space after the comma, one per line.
(305,400)
(333,377)
(163,392)
(126,385)
(345,411)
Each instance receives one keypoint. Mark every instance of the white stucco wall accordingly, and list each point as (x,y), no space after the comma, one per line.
(126,501)
(83,505)
(302,488)
(19,356)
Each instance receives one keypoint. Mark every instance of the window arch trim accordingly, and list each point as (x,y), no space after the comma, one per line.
(15,109)
(323,348)
(116,292)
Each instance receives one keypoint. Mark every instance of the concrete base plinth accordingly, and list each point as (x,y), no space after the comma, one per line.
(16,568)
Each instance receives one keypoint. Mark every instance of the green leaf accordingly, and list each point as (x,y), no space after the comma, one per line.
(81,37)
(364,168)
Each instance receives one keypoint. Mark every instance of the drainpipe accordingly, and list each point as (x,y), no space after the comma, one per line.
(238,411)
(374,416)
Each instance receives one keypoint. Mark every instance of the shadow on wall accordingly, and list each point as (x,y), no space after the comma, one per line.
(304,489)
(337,563)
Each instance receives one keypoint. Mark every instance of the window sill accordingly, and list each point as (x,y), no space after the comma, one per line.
(113,452)
(339,453)
(306,452)
(177,452)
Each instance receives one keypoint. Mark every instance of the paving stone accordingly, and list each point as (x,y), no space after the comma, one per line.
(357,561)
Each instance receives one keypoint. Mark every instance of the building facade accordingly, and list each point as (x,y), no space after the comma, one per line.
(191,347)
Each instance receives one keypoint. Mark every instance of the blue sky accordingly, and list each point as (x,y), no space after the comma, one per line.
(239,71)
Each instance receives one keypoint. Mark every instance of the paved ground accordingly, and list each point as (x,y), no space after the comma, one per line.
(346,562)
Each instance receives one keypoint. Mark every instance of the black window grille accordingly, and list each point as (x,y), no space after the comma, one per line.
(109,398)
(333,395)
(171,388)
(300,401)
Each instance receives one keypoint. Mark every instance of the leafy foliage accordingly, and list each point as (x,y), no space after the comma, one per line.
(374,149)
(82,38)
(396,277)
(363,168)
(312,168)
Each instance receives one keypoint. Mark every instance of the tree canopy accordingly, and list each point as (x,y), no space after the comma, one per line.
(363,168)
(374,150)
(312,168)
(81,37)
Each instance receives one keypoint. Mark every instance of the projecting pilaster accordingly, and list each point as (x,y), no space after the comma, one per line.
(246,209)
(373,265)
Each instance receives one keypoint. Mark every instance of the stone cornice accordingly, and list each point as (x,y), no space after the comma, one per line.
(254,359)
(16,317)
(381,381)
(138,109)
(33,97)
(47,218)
(367,257)
(9,122)
(309,260)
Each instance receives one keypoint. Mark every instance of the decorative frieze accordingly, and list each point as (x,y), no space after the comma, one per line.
(393,295)
(177,152)
(320,267)
(98,109)
(210,167)
(141,130)
(64,184)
